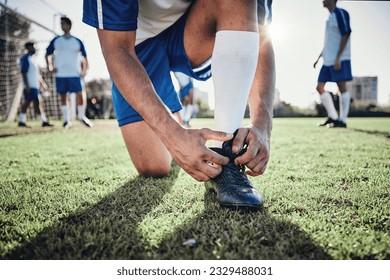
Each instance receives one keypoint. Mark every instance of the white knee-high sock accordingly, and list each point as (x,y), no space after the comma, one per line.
(183,112)
(64,111)
(42,117)
(345,101)
(81,111)
(233,67)
(327,101)
(22,118)
(189,111)
(73,101)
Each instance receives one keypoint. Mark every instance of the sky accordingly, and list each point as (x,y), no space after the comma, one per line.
(297,30)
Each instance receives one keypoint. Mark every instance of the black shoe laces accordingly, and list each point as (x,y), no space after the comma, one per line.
(234,173)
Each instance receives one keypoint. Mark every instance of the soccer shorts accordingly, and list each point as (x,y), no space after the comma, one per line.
(33,95)
(329,74)
(68,84)
(160,55)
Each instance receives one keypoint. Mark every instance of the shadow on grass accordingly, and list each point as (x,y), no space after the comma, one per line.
(225,234)
(374,132)
(108,230)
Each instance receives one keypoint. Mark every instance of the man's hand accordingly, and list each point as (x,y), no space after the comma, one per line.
(27,89)
(337,65)
(315,64)
(258,150)
(51,69)
(188,149)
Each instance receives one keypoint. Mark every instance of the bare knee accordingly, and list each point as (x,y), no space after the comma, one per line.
(342,87)
(153,170)
(320,88)
(231,14)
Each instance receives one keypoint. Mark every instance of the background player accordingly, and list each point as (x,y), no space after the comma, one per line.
(336,67)
(66,50)
(32,81)
(186,94)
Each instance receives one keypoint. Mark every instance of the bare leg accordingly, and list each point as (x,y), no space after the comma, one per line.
(25,106)
(320,88)
(227,31)
(207,17)
(63,99)
(342,85)
(148,154)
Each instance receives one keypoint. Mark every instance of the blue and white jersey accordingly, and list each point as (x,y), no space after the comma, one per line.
(337,26)
(67,52)
(182,79)
(148,17)
(29,66)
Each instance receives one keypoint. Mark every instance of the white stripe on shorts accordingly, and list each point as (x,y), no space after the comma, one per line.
(205,64)
(266,12)
(100,13)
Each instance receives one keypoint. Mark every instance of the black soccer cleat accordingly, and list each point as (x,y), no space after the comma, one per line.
(328,121)
(232,186)
(22,124)
(67,125)
(337,124)
(47,124)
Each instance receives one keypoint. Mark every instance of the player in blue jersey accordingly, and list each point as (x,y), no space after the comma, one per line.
(336,67)
(32,82)
(66,50)
(142,41)
(186,94)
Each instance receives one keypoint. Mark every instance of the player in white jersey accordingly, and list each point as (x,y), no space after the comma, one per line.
(66,50)
(142,41)
(336,67)
(32,81)
(186,94)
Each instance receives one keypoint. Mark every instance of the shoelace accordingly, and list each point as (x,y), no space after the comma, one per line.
(236,173)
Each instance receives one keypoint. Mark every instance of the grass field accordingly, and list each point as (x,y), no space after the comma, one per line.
(74,194)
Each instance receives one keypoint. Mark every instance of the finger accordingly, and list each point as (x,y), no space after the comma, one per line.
(206,172)
(199,176)
(214,165)
(239,140)
(212,171)
(252,164)
(259,169)
(250,154)
(209,134)
(215,158)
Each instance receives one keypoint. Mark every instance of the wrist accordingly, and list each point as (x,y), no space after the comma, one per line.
(265,126)
(167,130)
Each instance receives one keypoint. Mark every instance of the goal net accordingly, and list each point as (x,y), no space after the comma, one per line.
(15,31)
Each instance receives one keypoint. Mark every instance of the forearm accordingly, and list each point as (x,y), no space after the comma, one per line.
(42,82)
(25,80)
(84,67)
(262,93)
(48,63)
(135,86)
(343,43)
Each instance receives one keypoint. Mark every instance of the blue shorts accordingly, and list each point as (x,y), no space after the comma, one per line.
(186,90)
(33,95)
(68,84)
(328,74)
(160,55)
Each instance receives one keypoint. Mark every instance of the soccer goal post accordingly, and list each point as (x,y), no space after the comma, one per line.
(15,30)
